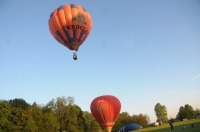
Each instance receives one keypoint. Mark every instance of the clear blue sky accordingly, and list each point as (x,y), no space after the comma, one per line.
(141,51)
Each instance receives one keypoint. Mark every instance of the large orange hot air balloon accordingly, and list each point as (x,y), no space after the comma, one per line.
(70,25)
(106,109)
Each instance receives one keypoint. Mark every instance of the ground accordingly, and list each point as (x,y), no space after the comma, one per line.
(177,127)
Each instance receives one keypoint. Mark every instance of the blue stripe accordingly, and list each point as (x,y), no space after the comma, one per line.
(81,35)
(51,14)
(73,39)
(61,8)
(61,37)
(73,6)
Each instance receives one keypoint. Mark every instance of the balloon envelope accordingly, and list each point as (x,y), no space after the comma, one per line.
(106,109)
(70,25)
(130,127)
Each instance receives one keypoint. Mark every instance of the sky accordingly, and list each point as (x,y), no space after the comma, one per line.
(143,52)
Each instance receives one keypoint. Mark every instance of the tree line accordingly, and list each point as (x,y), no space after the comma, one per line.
(61,114)
(185,112)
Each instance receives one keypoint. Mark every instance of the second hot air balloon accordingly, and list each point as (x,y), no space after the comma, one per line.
(106,110)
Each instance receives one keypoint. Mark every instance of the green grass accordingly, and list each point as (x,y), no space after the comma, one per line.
(177,127)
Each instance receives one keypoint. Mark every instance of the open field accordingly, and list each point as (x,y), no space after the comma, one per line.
(177,127)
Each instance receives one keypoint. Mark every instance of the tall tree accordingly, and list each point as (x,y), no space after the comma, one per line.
(74,119)
(19,118)
(5,111)
(70,100)
(123,119)
(141,119)
(50,123)
(37,116)
(91,124)
(19,103)
(161,113)
(197,113)
(68,114)
(186,112)
(60,104)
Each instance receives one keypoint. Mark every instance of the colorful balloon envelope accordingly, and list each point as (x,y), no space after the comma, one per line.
(106,110)
(130,127)
(70,25)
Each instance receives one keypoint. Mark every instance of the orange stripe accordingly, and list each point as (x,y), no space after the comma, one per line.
(61,17)
(68,16)
(80,11)
(52,27)
(58,27)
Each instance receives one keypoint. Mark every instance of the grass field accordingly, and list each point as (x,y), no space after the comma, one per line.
(177,127)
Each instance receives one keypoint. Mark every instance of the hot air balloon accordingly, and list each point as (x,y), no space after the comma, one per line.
(70,25)
(105,110)
(130,127)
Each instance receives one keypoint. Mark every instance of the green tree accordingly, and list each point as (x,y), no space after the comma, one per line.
(60,105)
(123,119)
(19,118)
(5,111)
(37,117)
(50,107)
(50,123)
(91,124)
(141,119)
(181,115)
(70,100)
(74,119)
(30,126)
(186,112)
(197,113)
(68,114)
(161,113)
(20,114)
(19,103)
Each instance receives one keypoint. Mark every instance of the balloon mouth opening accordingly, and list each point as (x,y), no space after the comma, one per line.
(75,46)
(109,129)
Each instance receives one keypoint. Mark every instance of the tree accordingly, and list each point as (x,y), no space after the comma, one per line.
(123,119)
(74,120)
(70,100)
(19,103)
(60,105)
(141,119)
(197,113)
(68,114)
(186,112)
(60,114)
(161,113)
(91,124)
(50,123)
(5,111)
(19,118)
